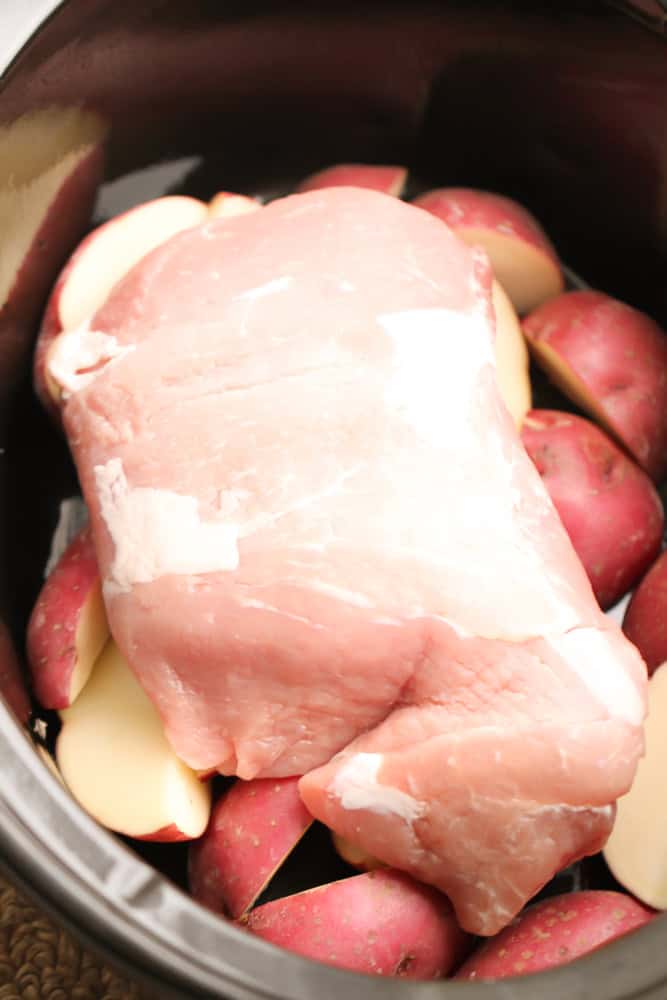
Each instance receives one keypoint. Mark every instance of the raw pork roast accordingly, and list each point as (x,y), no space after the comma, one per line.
(325,551)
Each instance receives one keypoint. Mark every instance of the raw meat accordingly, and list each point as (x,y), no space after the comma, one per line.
(316,525)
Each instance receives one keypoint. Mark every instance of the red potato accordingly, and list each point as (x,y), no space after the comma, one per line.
(382,923)
(645,619)
(512,361)
(387,179)
(636,851)
(115,759)
(253,828)
(98,263)
(555,932)
(226,204)
(611,360)
(52,165)
(521,255)
(608,505)
(68,627)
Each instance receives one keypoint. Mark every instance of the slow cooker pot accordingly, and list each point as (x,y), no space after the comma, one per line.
(563,106)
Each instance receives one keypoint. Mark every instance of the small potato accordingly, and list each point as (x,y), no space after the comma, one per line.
(611,360)
(68,627)
(555,932)
(636,851)
(252,830)
(377,177)
(512,362)
(608,506)
(98,263)
(382,923)
(645,621)
(521,255)
(226,204)
(116,761)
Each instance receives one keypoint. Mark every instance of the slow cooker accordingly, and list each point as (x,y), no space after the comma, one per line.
(563,106)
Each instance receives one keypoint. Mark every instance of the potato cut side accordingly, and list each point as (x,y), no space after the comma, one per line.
(571,385)
(226,204)
(512,358)
(68,627)
(91,635)
(636,851)
(528,273)
(115,759)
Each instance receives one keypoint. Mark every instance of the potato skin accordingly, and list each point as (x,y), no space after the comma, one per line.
(383,923)
(71,598)
(645,621)
(555,932)
(616,362)
(608,505)
(252,830)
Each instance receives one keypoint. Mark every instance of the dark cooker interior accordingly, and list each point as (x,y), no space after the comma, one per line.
(561,109)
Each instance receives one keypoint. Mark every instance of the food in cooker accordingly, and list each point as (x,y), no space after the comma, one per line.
(555,931)
(645,619)
(611,360)
(608,505)
(376,177)
(521,255)
(511,354)
(68,627)
(253,828)
(115,759)
(318,532)
(636,851)
(392,926)
(99,261)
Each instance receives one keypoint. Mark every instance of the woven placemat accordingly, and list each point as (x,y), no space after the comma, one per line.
(41,961)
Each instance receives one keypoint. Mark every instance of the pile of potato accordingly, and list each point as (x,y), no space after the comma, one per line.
(601,467)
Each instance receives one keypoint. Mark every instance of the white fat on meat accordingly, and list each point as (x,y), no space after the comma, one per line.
(156,532)
(76,357)
(357,787)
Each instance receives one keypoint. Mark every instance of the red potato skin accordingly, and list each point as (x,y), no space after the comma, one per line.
(608,505)
(252,829)
(386,179)
(166,835)
(67,218)
(52,627)
(645,620)
(555,932)
(468,208)
(620,354)
(382,923)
